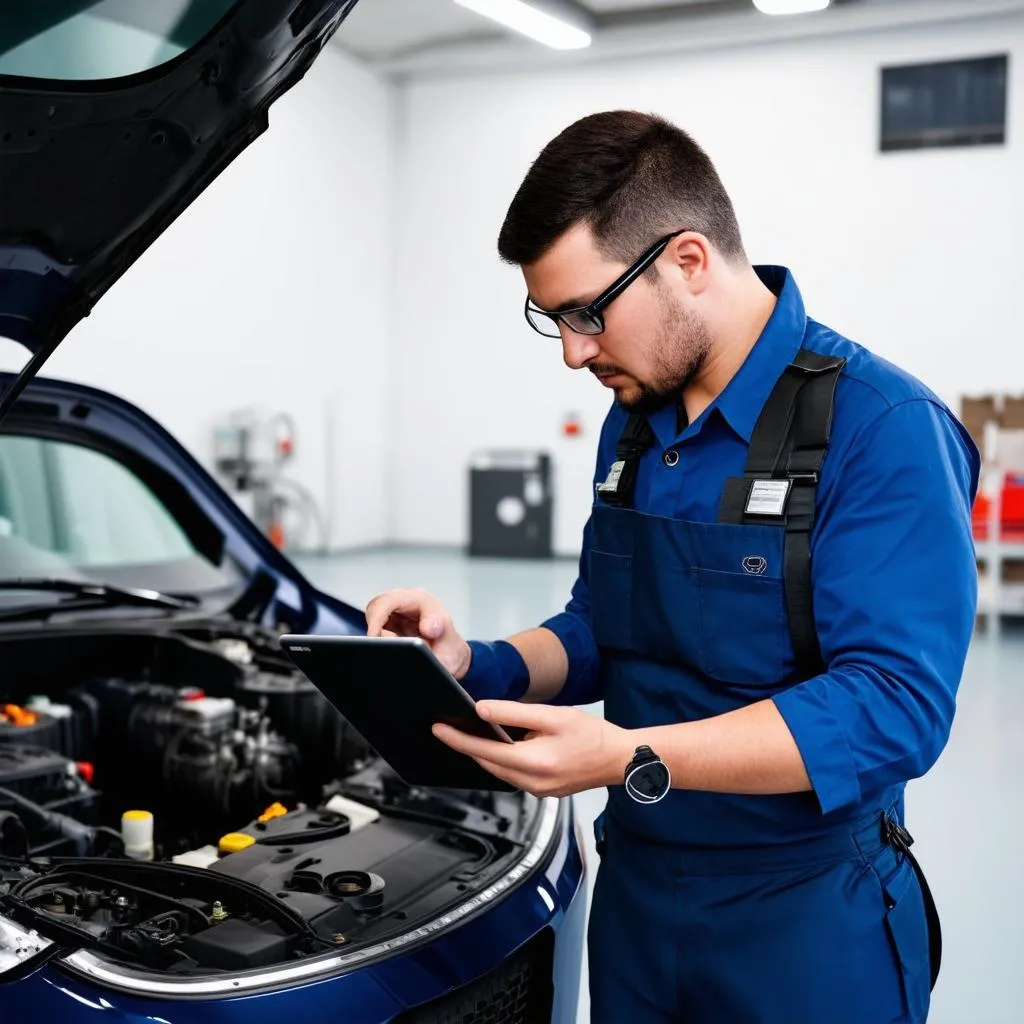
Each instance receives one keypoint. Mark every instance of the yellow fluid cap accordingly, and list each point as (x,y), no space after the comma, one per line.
(136,815)
(275,810)
(234,841)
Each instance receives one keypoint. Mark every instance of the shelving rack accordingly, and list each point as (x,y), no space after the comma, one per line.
(998,548)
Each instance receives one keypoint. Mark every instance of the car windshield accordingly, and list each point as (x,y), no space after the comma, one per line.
(94,39)
(69,512)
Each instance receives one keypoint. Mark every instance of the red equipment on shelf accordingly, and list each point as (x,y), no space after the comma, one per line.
(1011,511)
(1011,508)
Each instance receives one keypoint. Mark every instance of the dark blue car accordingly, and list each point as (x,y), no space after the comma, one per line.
(189,832)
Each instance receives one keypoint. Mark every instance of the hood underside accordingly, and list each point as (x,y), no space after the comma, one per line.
(93,171)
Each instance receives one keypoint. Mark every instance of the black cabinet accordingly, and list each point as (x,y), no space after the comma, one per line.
(510,504)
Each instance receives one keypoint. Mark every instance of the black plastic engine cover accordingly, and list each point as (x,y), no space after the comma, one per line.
(35,772)
(50,781)
(329,880)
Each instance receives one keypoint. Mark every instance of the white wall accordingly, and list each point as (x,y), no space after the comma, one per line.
(270,291)
(344,268)
(915,255)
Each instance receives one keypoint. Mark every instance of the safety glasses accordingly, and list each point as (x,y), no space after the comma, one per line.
(589,319)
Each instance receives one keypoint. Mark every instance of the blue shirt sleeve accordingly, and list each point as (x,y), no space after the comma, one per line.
(895,594)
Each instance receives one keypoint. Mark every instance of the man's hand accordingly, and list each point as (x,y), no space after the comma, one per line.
(417,613)
(565,750)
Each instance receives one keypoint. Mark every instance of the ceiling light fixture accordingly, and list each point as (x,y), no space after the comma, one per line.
(790,6)
(538,25)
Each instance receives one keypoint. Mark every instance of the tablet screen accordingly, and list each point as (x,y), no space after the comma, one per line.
(392,690)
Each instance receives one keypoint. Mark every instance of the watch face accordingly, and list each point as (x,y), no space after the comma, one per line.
(648,783)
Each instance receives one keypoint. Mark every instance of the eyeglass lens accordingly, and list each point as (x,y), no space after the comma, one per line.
(577,320)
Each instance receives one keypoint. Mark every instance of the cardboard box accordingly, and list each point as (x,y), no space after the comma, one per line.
(1013,571)
(1011,416)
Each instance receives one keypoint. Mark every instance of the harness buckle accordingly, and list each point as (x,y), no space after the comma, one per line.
(895,835)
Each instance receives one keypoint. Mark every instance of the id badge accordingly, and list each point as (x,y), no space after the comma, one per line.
(611,482)
(768,497)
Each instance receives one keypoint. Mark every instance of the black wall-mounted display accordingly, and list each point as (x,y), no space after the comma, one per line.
(951,103)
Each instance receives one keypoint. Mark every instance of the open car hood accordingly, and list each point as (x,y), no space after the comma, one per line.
(92,172)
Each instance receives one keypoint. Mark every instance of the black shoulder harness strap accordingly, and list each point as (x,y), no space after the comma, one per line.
(780,482)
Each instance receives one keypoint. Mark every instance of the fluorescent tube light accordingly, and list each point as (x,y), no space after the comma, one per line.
(538,25)
(790,6)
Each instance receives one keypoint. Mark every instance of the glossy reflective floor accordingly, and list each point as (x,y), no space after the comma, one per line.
(967,816)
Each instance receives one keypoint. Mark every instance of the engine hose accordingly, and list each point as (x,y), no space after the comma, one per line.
(12,827)
(25,804)
(260,776)
(110,833)
(74,831)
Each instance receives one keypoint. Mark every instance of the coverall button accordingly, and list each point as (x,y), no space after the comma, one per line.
(671,457)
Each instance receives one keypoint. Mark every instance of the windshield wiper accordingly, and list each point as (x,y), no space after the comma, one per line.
(85,594)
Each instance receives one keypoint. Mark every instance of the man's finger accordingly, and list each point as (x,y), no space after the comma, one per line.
(381,610)
(504,754)
(400,625)
(377,615)
(411,603)
(431,625)
(535,717)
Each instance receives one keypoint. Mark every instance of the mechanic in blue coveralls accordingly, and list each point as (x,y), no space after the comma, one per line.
(776,594)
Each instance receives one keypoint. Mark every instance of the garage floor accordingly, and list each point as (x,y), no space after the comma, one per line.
(967,816)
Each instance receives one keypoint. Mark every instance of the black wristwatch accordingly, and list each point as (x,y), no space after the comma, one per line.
(647,777)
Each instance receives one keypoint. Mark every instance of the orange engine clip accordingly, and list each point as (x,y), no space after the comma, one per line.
(19,716)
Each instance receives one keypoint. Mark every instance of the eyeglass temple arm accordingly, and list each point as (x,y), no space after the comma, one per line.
(633,273)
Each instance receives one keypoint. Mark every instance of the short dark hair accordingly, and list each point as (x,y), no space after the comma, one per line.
(631,177)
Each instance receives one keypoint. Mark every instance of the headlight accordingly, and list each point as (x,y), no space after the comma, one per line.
(17,945)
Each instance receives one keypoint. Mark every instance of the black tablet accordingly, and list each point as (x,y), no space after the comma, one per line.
(392,690)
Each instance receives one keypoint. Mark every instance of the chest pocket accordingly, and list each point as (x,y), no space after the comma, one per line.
(742,631)
(707,595)
(722,600)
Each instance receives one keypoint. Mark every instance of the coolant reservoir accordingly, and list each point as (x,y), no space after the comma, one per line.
(137,833)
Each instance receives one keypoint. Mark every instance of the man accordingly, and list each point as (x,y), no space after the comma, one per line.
(775,599)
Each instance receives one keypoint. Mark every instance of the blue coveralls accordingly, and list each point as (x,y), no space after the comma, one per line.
(723,909)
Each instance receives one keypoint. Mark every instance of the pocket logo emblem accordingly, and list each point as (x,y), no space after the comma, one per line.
(755,564)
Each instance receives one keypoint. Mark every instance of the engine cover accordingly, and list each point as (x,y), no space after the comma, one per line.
(340,885)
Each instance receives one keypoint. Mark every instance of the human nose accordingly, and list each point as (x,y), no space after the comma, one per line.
(577,349)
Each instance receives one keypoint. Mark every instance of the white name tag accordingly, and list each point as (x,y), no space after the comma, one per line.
(614,473)
(768,497)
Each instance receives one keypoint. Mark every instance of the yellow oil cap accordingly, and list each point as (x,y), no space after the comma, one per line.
(136,815)
(234,841)
(275,810)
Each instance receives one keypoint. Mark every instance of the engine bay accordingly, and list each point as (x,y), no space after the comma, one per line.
(182,800)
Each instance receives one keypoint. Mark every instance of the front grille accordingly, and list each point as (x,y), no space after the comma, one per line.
(519,991)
